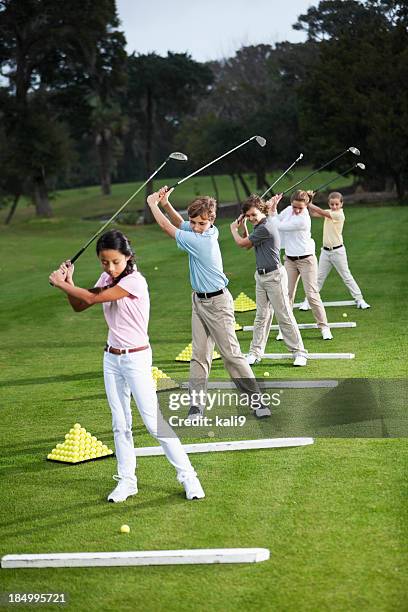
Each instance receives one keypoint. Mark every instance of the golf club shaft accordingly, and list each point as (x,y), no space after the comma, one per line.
(211,162)
(281,176)
(105,225)
(335,178)
(316,171)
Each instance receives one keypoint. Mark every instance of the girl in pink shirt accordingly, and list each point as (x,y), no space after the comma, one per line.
(124,296)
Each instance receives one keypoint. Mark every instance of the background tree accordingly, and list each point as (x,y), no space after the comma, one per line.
(41,41)
(161,91)
(254,92)
(354,92)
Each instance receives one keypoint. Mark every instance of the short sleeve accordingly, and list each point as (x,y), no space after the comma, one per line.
(185,226)
(134,284)
(188,241)
(259,234)
(336,215)
(102,280)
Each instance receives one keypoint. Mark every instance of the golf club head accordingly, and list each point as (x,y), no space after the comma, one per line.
(179,156)
(361,166)
(354,151)
(300,157)
(260,140)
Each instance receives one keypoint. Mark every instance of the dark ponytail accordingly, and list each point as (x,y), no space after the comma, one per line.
(116,241)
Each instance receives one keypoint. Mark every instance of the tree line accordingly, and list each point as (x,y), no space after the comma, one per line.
(76,109)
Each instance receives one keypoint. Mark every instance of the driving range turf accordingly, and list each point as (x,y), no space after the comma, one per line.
(333,514)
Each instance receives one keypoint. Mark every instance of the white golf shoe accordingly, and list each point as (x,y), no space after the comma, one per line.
(262,412)
(192,487)
(304,305)
(252,359)
(326,333)
(300,361)
(362,304)
(125,488)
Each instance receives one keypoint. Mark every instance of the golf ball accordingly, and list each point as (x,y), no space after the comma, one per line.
(266,373)
(345,315)
(156,268)
(125,529)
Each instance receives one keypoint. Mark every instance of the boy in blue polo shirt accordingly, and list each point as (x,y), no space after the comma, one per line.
(213,320)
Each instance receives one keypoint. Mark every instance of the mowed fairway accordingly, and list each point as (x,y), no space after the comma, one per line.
(333,514)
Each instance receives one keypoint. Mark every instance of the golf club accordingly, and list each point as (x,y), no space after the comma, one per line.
(176,155)
(259,139)
(282,175)
(359,165)
(352,150)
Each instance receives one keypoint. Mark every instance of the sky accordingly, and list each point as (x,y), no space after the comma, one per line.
(208,29)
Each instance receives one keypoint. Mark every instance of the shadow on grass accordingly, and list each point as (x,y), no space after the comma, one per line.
(49,346)
(38,466)
(72,513)
(45,380)
(99,396)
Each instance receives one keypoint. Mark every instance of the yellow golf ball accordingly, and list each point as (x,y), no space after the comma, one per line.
(125,529)
(345,315)
(266,373)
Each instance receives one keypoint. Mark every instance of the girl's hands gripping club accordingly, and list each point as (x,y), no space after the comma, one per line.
(63,274)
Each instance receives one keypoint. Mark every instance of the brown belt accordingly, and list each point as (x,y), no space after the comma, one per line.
(115,351)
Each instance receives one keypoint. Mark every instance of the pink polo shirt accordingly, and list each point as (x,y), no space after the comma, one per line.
(127,318)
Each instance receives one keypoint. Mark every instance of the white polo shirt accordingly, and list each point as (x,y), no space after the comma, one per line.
(295,232)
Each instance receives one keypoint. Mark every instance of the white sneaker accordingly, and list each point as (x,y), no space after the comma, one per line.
(192,487)
(304,305)
(363,304)
(251,359)
(262,412)
(279,336)
(124,489)
(326,333)
(300,361)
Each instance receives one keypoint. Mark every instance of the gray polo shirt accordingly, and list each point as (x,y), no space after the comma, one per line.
(266,240)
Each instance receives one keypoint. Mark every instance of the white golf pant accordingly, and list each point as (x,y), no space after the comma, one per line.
(130,374)
(337,259)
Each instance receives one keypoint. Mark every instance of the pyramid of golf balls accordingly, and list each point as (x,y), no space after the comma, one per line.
(186,354)
(162,380)
(243,303)
(79,445)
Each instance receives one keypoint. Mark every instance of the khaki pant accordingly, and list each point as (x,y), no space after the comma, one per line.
(272,297)
(213,323)
(337,259)
(306,269)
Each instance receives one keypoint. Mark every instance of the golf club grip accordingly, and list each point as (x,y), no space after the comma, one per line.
(77,255)
(72,260)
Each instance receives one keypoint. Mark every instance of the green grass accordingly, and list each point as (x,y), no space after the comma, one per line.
(332,514)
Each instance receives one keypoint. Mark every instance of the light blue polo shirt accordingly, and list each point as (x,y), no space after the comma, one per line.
(204,255)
